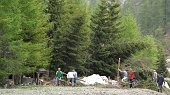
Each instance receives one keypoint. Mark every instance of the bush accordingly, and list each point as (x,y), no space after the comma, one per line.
(2,82)
(143,75)
(148,84)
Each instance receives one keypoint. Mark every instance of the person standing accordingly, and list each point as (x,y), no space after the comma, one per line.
(131,77)
(154,76)
(59,75)
(74,80)
(160,82)
(70,77)
(125,75)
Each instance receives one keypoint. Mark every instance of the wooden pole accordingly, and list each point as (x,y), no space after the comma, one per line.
(13,78)
(38,76)
(118,70)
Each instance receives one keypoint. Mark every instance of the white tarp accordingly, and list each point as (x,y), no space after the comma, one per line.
(94,79)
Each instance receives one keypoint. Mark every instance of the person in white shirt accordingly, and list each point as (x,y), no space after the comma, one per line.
(154,76)
(70,77)
(125,75)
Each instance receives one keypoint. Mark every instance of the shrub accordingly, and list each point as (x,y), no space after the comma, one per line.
(143,75)
(148,84)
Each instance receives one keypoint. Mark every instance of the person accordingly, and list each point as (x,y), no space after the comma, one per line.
(70,77)
(59,75)
(74,78)
(125,75)
(154,76)
(131,77)
(160,82)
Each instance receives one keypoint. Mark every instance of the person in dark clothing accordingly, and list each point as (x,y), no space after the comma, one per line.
(160,81)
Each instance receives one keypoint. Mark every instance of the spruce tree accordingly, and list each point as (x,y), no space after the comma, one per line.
(105,25)
(161,64)
(55,10)
(70,45)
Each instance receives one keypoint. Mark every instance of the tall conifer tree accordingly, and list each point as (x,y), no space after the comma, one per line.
(70,44)
(105,26)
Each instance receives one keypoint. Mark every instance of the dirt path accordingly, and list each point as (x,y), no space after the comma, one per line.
(77,91)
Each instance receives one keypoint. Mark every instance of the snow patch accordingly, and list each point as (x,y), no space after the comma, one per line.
(167,60)
(168,69)
(94,79)
(166,85)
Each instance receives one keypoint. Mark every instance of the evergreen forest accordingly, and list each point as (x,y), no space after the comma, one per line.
(86,35)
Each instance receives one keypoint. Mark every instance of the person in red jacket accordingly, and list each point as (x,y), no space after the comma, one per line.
(131,77)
